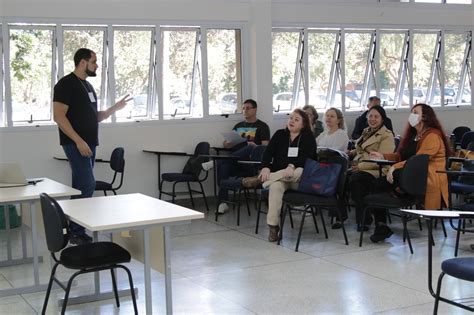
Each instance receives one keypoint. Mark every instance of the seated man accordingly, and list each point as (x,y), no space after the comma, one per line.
(256,132)
(361,121)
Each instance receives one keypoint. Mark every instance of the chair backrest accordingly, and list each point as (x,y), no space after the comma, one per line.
(194,164)
(117,161)
(466,139)
(413,178)
(257,152)
(55,224)
(458,132)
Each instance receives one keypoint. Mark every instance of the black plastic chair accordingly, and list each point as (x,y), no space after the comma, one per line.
(313,204)
(235,184)
(85,258)
(117,163)
(412,182)
(191,174)
(460,268)
(457,133)
(467,138)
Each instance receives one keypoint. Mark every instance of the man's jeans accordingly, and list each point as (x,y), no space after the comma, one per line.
(82,177)
(229,168)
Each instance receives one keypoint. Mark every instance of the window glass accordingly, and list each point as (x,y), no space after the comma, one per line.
(73,39)
(179,52)
(454,48)
(30,74)
(132,53)
(224,79)
(357,46)
(321,51)
(2,87)
(284,56)
(391,46)
(423,50)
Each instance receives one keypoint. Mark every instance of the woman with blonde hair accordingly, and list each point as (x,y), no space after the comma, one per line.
(335,135)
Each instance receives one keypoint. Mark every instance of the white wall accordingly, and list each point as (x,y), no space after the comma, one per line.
(35,147)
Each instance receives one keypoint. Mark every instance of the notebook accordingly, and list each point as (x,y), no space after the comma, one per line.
(11,175)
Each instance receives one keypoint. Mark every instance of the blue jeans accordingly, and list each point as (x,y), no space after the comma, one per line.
(82,177)
(229,168)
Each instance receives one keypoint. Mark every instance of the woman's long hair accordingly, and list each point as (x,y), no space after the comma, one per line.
(430,121)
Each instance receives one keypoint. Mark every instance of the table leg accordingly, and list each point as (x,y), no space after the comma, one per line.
(159,172)
(95,236)
(430,257)
(6,215)
(168,277)
(147,267)
(215,177)
(34,238)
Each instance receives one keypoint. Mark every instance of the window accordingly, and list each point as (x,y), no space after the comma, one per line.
(31,63)
(2,89)
(224,77)
(132,57)
(456,52)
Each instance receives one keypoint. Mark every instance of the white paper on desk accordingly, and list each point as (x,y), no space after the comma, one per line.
(233,137)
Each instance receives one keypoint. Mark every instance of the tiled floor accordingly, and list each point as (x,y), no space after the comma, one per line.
(219,268)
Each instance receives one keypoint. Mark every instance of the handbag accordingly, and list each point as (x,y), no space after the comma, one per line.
(319,178)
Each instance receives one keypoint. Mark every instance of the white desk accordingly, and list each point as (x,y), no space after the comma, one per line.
(30,194)
(132,212)
(429,216)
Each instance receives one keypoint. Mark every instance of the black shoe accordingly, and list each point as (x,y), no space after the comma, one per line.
(80,239)
(336,225)
(360,227)
(381,232)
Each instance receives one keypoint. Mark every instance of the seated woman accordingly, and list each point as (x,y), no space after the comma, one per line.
(316,125)
(283,163)
(334,137)
(376,137)
(423,135)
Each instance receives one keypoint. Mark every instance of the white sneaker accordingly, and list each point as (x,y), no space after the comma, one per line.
(223,207)
(207,165)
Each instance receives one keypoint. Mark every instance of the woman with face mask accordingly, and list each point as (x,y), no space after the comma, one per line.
(283,162)
(423,135)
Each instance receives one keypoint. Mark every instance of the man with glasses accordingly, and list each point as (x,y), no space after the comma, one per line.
(256,132)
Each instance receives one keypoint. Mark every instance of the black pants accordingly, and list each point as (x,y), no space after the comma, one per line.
(362,184)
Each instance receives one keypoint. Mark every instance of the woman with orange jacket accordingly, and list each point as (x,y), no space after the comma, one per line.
(423,135)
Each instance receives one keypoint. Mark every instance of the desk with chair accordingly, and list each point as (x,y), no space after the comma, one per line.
(132,212)
(429,216)
(30,194)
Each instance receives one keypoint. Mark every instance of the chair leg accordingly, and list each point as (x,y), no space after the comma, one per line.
(246,195)
(438,293)
(68,288)
(161,188)
(173,192)
(237,195)
(132,289)
(115,192)
(458,236)
(190,194)
(321,215)
(284,209)
(48,291)
(300,231)
(204,196)
(338,211)
(444,228)
(291,220)
(114,286)
(105,192)
(405,233)
(364,212)
(314,219)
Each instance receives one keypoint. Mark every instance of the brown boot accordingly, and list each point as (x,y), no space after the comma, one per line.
(273,233)
(251,182)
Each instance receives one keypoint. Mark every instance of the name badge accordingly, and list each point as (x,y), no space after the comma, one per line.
(292,151)
(91,97)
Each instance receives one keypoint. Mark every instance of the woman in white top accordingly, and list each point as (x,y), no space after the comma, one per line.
(334,136)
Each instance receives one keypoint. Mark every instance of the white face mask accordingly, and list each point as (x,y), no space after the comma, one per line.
(413,119)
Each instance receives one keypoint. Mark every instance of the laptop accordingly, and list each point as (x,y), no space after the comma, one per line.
(11,175)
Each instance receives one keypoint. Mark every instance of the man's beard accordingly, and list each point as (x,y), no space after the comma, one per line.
(91,73)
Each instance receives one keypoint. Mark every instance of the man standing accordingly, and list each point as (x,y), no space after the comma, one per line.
(257,133)
(361,121)
(75,112)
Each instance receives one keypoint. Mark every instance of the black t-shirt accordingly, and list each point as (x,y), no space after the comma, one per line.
(256,132)
(82,112)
